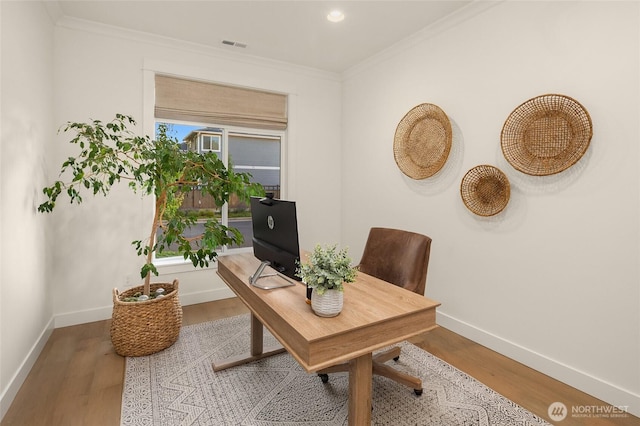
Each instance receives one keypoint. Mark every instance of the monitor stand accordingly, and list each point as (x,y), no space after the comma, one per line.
(253,279)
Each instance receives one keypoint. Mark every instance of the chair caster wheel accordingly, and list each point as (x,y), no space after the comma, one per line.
(396,359)
(324,377)
(418,392)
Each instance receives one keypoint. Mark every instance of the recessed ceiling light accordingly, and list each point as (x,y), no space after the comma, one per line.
(335,16)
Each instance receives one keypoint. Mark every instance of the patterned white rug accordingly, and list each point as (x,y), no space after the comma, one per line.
(178,387)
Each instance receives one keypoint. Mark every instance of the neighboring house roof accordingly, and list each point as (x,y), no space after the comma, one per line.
(194,133)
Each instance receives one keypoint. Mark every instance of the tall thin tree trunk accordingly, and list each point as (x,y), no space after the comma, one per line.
(157,217)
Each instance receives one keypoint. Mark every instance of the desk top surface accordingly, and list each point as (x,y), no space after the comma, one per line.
(375,313)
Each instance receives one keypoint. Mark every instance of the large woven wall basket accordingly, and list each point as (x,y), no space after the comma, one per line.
(422,141)
(144,328)
(546,135)
(485,190)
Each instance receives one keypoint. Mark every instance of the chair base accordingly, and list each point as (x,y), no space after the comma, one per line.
(380,369)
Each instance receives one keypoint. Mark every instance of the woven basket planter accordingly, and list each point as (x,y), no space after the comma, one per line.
(144,328)
(328,304)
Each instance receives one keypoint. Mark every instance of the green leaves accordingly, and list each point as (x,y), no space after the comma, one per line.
(52,193)
(104,158)
(111,153)
(200,249)
(148,269)
(327,268)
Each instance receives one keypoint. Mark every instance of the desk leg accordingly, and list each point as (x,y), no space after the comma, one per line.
(257,335)
(256,352)
(360,385)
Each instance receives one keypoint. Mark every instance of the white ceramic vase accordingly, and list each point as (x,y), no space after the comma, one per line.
(329,304)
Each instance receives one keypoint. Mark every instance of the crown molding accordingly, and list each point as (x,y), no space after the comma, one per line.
(54,10)
(472,10)
(111,31)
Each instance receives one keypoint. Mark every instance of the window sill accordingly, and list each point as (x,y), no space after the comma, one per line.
(175,265)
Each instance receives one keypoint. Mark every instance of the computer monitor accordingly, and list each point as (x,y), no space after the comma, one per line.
(275,238)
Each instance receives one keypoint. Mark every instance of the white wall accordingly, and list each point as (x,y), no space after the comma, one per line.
(552,281)
(100,71)
(27,127)
(61,268)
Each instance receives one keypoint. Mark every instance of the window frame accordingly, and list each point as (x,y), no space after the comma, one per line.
(211,136)
(178,264)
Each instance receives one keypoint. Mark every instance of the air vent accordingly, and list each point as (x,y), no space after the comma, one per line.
(234,43)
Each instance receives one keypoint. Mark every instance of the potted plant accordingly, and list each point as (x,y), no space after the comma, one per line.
(325,273)
(111,153)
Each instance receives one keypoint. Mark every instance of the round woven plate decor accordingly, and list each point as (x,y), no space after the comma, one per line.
(485,190)
(422,141)
(546,135)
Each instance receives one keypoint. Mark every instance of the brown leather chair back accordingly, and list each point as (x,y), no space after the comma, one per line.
(398,257)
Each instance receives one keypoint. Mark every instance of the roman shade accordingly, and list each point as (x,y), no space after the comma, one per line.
(190,100)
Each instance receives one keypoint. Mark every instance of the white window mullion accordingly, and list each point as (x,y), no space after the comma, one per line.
(225,160)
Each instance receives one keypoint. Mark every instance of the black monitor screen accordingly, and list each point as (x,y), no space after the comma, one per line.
(275,234)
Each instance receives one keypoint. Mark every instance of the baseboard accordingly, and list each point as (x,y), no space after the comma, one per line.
(103,313)
(591,385)
(82,317)
(10,392)
(206,296)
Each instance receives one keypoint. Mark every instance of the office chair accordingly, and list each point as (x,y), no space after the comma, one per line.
(400,258)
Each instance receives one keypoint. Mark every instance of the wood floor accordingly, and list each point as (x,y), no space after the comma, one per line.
(77,380)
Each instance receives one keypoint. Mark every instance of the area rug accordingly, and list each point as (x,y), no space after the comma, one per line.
(178,387)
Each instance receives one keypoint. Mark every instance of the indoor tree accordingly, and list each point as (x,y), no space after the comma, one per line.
(110,153)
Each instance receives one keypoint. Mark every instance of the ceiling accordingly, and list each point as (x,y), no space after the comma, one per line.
(297,32)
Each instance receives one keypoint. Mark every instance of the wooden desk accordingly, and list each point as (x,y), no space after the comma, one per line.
(375,314)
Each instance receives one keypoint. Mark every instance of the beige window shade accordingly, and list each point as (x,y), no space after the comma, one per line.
(189,100)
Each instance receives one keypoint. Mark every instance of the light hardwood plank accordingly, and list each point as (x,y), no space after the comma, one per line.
(78,378)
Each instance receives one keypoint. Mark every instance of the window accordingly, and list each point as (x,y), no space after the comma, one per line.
(258,155)
(257,152)
(243,126)
(209,142)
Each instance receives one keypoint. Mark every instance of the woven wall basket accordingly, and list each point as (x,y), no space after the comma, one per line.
(422,141)
(485,190)
(546,135)
(144,328)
